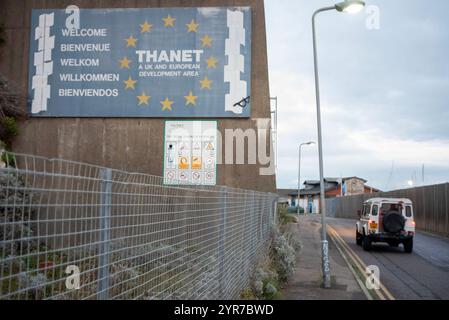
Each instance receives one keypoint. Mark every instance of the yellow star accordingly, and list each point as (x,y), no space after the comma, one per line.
(211,62)
(190,99)
(206,83)
(130,83)
(124,63)
(143,98)
(206,41)
(169,21)
(166,104)
(146,27)
(131,41)
(192,26)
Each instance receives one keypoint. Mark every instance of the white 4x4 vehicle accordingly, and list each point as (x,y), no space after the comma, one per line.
(386,220)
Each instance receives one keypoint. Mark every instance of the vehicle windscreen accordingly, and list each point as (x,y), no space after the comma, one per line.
(395,207)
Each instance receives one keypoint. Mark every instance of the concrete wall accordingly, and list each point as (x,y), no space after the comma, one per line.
(126,144)
(430,204)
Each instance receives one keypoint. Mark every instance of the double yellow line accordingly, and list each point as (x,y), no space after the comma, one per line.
(358,267)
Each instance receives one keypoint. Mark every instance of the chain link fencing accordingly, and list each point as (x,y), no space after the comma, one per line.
(70,230)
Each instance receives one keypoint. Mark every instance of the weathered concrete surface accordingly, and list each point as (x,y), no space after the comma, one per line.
(126,144)
(306,282)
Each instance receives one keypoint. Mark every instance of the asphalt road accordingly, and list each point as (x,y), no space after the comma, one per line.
(424,274)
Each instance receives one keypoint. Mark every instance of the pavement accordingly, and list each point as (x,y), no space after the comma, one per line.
(305,284)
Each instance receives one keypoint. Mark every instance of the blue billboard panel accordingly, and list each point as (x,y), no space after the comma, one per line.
(166,62)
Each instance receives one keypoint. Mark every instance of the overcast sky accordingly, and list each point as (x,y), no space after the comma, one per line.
(384,93)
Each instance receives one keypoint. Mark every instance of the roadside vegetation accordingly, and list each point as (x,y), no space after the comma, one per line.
(273,272)
(10,112)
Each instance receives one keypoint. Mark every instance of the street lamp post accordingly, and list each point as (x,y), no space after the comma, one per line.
(350,6)
(299,172)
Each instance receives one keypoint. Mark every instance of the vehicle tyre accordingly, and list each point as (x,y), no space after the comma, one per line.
(366,244)
(393,222)
(408,245)
(358,238)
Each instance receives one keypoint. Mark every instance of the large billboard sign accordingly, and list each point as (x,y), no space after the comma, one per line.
(166,62)
(190,156)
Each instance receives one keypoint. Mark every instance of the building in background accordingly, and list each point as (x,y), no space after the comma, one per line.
(334,187)
(285,196)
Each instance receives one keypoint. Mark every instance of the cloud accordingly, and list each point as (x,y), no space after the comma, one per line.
(384,93)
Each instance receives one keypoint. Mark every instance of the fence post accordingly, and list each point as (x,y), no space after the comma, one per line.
(446,224)
(222,244)
(273,219)
(253,211)
(260,217)
(105,228)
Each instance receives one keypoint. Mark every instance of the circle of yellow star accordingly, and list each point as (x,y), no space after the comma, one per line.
(211,62)
(166,104)
(192,26)
(124,63)
(206,41)
(145,27)
(190,99)
(206,83)
(169,21)
(131,41)
(130,83)
(143,98)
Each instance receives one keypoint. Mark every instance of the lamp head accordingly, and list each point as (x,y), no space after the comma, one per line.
(307,143)
(350,6)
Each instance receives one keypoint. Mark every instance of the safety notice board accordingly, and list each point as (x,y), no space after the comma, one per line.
(190,153)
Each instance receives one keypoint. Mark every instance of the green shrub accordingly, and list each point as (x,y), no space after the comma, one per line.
(8,130)
(7,159)
(264,283)
(248,294)
(285,217)
(283,255)
(271,291)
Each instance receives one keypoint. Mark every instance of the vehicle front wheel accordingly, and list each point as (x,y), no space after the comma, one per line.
(358,238)
(408,245)
(366,243)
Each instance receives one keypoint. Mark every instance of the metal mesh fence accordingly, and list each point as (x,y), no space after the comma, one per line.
(124,235)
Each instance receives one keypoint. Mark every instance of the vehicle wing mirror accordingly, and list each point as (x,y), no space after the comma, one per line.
(359,213)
